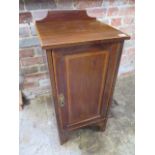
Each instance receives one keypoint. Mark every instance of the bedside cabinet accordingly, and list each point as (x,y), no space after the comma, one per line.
(83,59)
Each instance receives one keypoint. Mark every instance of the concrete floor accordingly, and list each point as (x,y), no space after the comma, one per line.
(38,131)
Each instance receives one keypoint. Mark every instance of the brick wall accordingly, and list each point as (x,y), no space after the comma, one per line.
(118,13)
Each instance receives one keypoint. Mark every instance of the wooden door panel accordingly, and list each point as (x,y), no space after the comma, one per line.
(81,77)
(85,81)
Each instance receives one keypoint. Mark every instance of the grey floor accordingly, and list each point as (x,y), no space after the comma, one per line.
(38,132)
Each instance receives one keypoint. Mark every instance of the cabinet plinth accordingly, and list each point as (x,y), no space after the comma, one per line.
(83,59)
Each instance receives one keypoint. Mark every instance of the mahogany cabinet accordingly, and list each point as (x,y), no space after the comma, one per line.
(83,59)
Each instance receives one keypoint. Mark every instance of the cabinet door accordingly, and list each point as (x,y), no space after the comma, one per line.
(80,78)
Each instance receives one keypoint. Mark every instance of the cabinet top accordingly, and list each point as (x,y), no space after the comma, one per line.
(73,27)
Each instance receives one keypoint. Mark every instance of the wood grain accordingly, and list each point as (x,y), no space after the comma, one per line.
(64,28)
(83,58)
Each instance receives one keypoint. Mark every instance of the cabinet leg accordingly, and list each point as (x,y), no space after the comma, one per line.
(63,137)
(102,125)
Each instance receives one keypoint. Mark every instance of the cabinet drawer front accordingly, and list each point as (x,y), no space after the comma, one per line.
(80,79)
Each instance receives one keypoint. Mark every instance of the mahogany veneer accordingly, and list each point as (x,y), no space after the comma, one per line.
(83,58)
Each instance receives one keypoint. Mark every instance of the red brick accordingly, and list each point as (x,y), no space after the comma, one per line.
(127,74)
(129,43)
(31,85)
(39,4)
(31,61)
(97,12)
(39,51)
(44,60)
(29,42)
(131,1)
(64,4)
(35,77)
(26,53)
(21,5)
(127,11)
(132,36)
(116,22)
(82,4)
(128,29)
(107,21)
(128,20)
(30,70)
(111,2)
(113,11)
(130,51)
(117,2)
(25,17)
(43,68)
(33,67)
(24,31)
(128,56)
(123,59)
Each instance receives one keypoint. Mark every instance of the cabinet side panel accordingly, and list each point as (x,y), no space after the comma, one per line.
(115,55)
(54,91)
